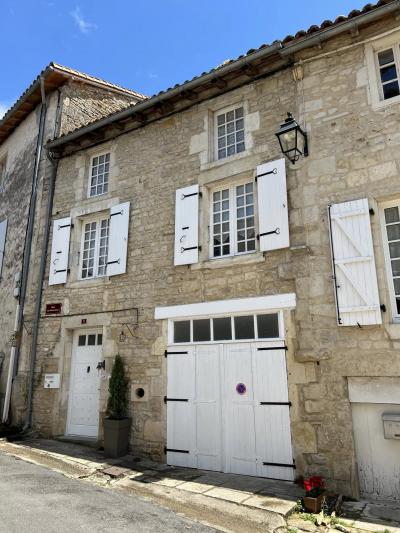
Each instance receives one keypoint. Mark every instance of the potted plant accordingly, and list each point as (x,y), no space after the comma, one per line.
(116,423)
(315,489)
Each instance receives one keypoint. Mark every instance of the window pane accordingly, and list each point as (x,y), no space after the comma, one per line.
(245,218)
(244,327)
(386,57)
(393,232)
(100,339)
(82,340)
(201,330)
(220,210)
(91,340)
(396,267)
(99,175)
(230,133)
(388,73)
(222,329)
(390,90)
(394,249)
(268,326)
(182,331)
(392,215)
(396,283)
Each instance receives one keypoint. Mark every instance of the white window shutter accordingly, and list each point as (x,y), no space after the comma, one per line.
(273,218)
(353,261)
(3,232)
(187,226)
(60,251)
(118,239)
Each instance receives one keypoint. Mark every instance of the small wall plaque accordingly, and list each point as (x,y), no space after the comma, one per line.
(52,381)
(53,309)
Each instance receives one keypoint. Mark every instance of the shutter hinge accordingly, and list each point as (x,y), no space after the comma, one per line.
(113,262)
(118,213)
(192,194)
(67,270)
(166,353)
(66,226)
(277,231)
(383,308)
(175,399)
(371,211)
(274,171)
(190,248)
(173,450)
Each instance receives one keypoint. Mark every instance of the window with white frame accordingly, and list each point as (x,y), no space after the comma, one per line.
(94,249)
(99,174)
(392,236)
(229,127)
(227,328)
(388,62)
(233,220)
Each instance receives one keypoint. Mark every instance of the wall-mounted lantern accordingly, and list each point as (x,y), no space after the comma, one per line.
(292,139)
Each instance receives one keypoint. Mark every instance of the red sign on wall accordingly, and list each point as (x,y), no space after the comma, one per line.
(53,309)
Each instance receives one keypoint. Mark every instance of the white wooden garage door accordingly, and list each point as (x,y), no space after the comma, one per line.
(228,409)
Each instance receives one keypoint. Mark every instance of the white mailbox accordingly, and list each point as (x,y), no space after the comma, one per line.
(52,381)
(391,425)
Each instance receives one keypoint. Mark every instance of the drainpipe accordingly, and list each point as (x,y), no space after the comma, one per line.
(15,350)
(39,292)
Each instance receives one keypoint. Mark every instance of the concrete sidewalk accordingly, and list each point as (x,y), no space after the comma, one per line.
(228,501)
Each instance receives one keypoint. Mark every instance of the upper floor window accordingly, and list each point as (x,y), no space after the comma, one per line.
(233,220)
(99,174)
(392,238)
(94,249)
(229,126)
(388,64)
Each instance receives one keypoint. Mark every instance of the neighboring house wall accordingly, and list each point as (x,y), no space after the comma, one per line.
(353,155)
(18,151)
(79,104)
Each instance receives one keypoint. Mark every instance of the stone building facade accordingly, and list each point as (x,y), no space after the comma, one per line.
(72,99)
(161,314)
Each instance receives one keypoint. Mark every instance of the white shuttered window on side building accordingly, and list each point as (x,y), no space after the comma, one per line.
(353,263)
(391,240)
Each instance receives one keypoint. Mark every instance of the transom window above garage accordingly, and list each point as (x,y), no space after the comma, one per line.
(227,328)
(233,220)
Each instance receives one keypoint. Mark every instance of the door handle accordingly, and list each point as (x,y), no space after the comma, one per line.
(88,370)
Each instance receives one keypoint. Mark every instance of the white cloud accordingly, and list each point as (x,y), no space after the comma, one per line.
(83,25)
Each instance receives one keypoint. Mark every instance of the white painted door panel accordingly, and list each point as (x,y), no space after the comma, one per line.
(83,408)
(208,407)
(240,445)
(274,443)
(180,414)
(378,458)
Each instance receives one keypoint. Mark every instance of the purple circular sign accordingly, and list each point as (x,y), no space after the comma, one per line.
(241,388)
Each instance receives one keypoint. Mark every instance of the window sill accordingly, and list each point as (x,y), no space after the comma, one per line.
(226,160)
(83,283)
(211,264)
(383,104)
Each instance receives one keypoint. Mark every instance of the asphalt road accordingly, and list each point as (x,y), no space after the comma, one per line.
(34,499)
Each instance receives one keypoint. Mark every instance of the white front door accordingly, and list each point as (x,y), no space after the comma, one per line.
(84,392)
(228,409)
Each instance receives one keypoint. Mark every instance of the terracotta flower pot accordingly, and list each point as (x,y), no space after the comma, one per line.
(313,505)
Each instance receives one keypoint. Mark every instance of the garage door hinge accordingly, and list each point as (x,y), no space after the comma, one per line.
(273,348)
(166,353)
(176,451)
(174,400)
(276,403)
(283,465)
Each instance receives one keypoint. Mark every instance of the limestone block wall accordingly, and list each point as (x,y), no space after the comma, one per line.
(353,154)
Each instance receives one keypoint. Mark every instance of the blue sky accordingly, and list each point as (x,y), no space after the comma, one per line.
(147,46)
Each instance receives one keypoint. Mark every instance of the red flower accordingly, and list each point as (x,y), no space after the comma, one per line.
(314,482)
